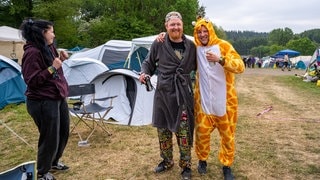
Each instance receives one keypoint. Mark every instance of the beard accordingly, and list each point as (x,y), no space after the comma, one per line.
(176,35)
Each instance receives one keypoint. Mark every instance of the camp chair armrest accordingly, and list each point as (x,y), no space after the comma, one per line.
(105,98)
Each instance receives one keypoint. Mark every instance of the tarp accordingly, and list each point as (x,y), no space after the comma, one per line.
(113,53)
(11,43)
(133,104)
(10,34)
(82,70)
(291,53)
(12,85)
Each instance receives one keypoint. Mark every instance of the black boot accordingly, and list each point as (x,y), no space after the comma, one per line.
(163,166)
(202,167)
(227,173)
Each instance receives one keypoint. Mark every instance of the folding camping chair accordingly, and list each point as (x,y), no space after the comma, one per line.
(88,112)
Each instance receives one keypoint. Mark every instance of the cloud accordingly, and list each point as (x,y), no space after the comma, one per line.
(264,15)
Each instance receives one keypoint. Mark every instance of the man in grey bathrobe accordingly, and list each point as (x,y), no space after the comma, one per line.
(174,60)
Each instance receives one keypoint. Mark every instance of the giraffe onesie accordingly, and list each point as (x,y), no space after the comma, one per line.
(215,95)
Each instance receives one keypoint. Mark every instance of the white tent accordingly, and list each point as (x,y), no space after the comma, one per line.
(82,70)
(133,104)
(10,34)
(113,53)
(314,60)
(11,43)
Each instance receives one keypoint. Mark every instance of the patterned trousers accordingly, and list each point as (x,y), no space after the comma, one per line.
(165,140)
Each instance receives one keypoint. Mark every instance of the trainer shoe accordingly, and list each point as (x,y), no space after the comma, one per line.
(59,167)
(202,167)
(163,166)
(186,173)
(227,173)
(47,176)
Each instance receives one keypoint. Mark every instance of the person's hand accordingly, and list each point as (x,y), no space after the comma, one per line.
(63,55)
(212,57)
(160,37)
(57,63)
(142,78)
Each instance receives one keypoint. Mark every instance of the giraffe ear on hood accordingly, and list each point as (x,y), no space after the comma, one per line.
(198,18)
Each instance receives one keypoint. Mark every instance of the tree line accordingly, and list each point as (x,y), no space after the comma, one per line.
(266,44)
(90,23)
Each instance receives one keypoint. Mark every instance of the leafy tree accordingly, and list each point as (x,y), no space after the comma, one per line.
(313,35)
(202,11)
(280,36)
(303,45)
(275,48)
(260,51)
(125,20)
(12,12)
(62,13)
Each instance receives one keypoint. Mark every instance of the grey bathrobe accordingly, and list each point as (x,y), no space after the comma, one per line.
(174,91)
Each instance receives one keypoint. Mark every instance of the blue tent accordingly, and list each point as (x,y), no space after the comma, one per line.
(12,85)
(77,48)
(301,65)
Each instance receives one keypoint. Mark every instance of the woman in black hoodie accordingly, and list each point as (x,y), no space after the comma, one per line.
(46,93)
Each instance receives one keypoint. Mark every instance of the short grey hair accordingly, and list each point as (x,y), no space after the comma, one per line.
(173,14)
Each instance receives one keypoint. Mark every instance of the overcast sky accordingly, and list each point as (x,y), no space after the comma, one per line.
(264,15)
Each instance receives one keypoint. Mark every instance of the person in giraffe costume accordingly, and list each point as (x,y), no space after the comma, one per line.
(215,95)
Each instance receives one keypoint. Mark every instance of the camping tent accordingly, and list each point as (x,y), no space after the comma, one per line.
(301,65)
(11,43)
(133,104)
(143,45)
(82,70)
(314,61)
(24,171)
(12,85)
(113,53)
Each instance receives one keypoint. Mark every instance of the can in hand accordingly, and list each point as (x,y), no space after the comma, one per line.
(148,83)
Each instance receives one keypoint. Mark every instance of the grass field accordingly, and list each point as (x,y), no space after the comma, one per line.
(283,143)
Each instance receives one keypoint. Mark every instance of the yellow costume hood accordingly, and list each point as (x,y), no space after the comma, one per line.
(213,38)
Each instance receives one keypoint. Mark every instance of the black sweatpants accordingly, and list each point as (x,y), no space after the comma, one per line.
(52,120)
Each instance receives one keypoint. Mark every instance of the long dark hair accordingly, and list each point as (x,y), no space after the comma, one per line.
(32,31)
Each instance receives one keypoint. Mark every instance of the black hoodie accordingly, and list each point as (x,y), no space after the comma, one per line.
(40,83)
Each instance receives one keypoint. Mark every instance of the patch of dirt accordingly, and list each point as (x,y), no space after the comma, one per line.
(273,72)
(261,92)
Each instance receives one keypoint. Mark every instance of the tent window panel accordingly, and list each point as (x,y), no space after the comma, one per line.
(112,56)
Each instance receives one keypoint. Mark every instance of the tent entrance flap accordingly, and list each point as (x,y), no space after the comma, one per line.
(133,105)
(131,89)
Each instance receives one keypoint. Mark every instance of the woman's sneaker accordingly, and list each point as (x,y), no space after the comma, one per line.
(59,167)
(47,176)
